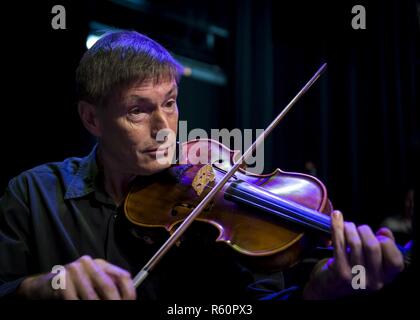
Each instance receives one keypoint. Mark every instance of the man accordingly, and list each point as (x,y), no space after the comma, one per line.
(69,213)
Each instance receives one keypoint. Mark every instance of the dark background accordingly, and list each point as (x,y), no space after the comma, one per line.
(359,124)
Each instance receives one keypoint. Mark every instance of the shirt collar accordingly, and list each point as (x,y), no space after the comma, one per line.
(87,180)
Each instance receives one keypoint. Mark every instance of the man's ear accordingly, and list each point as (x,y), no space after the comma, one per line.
(90,118)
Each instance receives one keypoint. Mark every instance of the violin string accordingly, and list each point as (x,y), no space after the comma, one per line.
(234,196)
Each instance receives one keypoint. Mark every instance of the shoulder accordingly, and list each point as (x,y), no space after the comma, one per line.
(45,176)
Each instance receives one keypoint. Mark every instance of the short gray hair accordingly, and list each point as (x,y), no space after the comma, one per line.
(120,58)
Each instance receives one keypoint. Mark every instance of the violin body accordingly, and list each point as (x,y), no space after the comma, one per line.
(166,199)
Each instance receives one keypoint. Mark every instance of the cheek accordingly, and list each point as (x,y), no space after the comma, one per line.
(126,134)
(135,133)
(173,122)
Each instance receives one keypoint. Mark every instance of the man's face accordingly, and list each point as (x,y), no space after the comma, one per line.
(131,123)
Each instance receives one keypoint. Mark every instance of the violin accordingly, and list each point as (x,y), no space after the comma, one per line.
(258,216)
(261,217)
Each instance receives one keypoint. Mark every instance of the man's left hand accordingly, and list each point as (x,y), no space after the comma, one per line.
(377,253)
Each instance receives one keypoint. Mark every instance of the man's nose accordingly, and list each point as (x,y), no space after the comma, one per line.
(158,122)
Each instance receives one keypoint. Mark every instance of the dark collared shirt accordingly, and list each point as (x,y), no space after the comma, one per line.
(55,213)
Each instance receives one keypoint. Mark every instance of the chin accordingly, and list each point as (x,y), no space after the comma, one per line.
(152,168)
(148,164)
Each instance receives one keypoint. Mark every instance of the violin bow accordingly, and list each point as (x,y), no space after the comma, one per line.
(149,266)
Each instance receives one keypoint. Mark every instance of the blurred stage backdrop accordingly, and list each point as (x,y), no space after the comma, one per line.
(357,129)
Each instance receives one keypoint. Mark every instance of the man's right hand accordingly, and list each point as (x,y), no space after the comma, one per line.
(86,279)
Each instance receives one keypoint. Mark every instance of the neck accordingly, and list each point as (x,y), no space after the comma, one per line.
(116,182)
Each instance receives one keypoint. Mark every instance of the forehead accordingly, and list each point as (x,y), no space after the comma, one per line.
(148,89)
(151,91)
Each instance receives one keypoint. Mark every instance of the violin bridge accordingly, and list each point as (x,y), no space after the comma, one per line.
(203,177)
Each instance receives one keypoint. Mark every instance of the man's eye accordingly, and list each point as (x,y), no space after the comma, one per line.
(135,111)
(137,114)
(170,104)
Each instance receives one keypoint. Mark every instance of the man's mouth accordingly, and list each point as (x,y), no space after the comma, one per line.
(157,149)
